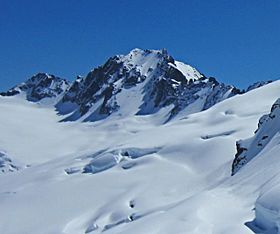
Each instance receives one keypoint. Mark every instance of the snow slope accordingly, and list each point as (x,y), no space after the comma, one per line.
(258,156)
(132,174)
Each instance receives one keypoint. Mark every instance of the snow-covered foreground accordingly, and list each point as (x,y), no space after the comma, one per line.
(134,174)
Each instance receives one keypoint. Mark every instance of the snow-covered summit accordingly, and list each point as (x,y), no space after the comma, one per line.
(40,86)
(146,60)
(142,83)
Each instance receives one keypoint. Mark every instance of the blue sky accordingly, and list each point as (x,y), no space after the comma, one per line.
(236,41)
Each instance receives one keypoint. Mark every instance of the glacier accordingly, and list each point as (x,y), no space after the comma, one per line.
(135,169)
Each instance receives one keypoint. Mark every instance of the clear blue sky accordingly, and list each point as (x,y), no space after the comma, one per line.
(236,41)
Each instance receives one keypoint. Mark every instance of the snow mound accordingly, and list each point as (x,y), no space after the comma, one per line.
(104,160)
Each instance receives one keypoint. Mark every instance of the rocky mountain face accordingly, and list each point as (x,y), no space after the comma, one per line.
(149,79)
(139,83)
(258,84)
(40,86)
(268,131)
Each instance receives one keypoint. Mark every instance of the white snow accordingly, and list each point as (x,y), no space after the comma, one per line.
(143,60)
(177,179)
(188,71)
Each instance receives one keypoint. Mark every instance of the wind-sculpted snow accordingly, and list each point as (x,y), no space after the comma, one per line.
(267,212)
(228,133)
(105,160)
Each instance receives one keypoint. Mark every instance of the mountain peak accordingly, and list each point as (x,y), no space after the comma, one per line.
(162,51)
(40,86)
(141,82)
(42,76)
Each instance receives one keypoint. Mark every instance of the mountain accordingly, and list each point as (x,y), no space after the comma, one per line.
(150,79)
(133,171)
(258,84)
(40,86)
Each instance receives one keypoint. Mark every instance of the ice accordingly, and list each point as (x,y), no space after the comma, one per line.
(188,71)
(102,163)
(145,176)
(106,160)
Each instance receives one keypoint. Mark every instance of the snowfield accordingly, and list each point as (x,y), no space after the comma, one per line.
(133,174)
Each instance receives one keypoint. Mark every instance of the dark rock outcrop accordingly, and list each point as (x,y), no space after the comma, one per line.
(268,127)
(258,85)
(40,86)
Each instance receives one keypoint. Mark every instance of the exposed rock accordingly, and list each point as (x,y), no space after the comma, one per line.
(152,78)
(40,86)
(268,127)
(258,84)
(152,75)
